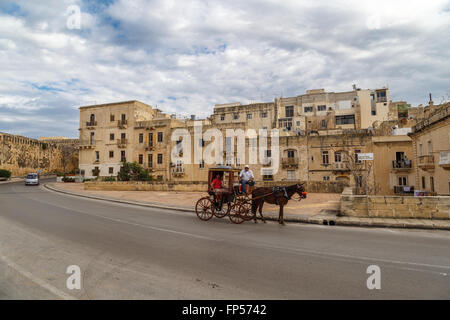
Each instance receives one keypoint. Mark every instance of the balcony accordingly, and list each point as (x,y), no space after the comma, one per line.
(403,190)
(402,165)
(291,162)
(340,166)
(122,124)
(149,147)
(86,144)
(381,99)
(122,143)
(426,162)
(444,160)
(91,124)
(178,171)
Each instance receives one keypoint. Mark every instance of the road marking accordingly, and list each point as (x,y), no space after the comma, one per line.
(129,223)
(59,293)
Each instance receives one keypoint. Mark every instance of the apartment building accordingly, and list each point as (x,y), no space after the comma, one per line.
(431,145)
(320,133)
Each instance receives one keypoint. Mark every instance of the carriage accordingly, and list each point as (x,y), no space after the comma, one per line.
(231,202)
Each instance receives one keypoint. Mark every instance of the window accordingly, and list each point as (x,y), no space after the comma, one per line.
(111,118)
(111,154)
(150,159)
(264,114)
(150,139)
(201,164)
(249,116)
(359,181)
(432,184)
(429,147)
(308,109)
(228,144)
(160,137)
(201,142)
(349,119)
(373,111)
(325,157)
(267,177)
(141,138)
(268,153)
(381,96)
(236,116)
(356,156)
(289,111)
(124,117)
(291,174)
(321,108)
(423,183)
(92,119)
(160,158)
(402,181)
(290,153)
(323,124)
(326,178)
(111,169)
(123,135)
(238,162)
(111,136)
(298,123)
(222,117)
(337,157)
(97,156)
(141,159)
(92,140)
(122,156)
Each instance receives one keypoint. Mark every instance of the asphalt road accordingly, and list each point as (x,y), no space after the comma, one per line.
(130,252)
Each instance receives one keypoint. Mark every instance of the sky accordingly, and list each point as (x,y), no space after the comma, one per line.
(186,56)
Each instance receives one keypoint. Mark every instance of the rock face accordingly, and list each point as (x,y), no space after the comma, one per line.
(21,155)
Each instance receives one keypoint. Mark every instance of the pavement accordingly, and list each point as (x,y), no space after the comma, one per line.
(127,251)
(318,208)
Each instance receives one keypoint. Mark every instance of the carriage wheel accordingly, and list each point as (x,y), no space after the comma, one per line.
(224,211)
(247,213)
(236,212)
(204,208)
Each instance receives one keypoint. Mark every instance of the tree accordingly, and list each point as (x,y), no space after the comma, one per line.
(68,155)
(133,171)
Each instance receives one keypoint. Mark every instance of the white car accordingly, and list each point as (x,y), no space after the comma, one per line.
(32,179)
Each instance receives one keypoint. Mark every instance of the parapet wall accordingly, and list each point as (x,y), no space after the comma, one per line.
(22,155)
(395,206)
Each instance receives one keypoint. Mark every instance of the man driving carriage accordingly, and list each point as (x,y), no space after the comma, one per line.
(246,177)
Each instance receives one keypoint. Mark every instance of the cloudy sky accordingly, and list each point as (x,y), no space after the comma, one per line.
(186,56)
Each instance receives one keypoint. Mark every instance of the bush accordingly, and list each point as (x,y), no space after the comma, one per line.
(133,172)
(5,173)
(66,179)
(87,179)
(109,179)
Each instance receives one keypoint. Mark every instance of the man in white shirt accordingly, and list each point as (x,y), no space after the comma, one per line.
(246,177)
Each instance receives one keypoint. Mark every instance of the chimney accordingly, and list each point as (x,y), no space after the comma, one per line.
(430,103)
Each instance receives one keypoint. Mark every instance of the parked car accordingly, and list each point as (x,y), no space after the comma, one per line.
(32,179)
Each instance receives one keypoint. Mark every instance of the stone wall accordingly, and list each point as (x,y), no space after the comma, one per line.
(395,206)
(22,155)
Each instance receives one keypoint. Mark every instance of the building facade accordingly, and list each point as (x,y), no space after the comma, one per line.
(431,145)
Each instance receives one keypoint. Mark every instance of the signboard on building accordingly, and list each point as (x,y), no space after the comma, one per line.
(365,156)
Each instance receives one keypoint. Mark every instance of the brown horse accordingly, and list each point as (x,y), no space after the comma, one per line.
(276,195)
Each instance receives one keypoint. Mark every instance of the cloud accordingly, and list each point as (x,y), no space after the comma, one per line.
(186,56)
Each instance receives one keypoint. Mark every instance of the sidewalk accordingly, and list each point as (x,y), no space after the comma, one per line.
(320,208)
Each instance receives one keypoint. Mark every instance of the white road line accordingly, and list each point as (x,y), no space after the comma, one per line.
(128,222)
(38,281)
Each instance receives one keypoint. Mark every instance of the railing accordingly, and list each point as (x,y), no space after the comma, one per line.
(403,189)
(433,118)
(402,164)
(289,161)
(381,99)
(91,123)
(86,144)
(122,123)
(122,142)
(178,170)
(426,161)
(149,147)
(341,166)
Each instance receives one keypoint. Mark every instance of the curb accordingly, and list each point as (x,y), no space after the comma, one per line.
(321,219)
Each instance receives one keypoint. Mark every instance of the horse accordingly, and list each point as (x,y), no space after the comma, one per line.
(276,195)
